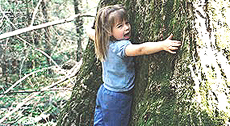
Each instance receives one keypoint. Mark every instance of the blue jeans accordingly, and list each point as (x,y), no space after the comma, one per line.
(112,108)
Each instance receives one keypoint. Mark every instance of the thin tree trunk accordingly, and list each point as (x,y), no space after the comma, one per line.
(47,32)
(79,29)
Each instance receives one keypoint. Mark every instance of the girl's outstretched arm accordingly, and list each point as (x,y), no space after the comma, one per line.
(168,45)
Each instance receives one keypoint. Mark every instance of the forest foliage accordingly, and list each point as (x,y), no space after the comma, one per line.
(37,67)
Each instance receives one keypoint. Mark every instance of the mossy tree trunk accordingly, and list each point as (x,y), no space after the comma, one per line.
(164,87)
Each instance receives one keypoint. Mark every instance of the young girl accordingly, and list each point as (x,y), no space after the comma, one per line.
(116,52)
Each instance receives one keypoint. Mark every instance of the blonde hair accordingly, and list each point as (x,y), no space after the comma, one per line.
(106,18)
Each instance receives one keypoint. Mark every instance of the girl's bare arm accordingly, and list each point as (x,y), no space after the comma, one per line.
(152,47)
(91,33)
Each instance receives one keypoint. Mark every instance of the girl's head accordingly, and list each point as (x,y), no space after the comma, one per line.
(111,24)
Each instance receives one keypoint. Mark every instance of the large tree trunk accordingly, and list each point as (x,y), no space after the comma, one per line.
(164,86)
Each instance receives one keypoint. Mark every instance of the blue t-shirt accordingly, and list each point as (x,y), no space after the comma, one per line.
(118,69)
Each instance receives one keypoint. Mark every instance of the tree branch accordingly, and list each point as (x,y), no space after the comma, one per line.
(32,91)
(35,12)
(30,28)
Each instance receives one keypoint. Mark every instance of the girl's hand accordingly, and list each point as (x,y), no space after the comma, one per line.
(171,45)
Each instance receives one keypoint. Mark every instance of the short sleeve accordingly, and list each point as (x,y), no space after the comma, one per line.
(118,47)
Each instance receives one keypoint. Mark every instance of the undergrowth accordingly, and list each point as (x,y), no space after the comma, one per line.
(30,105)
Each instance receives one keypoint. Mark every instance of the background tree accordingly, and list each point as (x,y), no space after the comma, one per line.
(79,29)
(47,33)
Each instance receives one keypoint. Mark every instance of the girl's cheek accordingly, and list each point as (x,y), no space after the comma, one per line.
(122,35)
